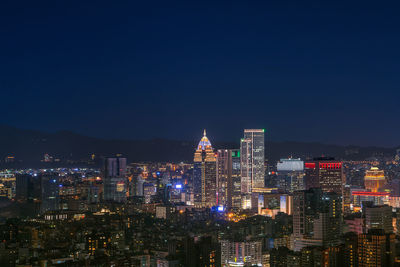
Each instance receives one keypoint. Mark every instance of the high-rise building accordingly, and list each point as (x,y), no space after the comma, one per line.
(350,249)
(114,179)
(201,251)
(23,182)
(40,191)
(50,188)
(228,178)
(376,249)
(378,217)
(317,218)
(252,157)
(241,253)
(374,179)
(290,174)
(204,174)
(325,173)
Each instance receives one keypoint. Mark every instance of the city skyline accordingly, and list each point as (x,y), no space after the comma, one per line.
(199,133)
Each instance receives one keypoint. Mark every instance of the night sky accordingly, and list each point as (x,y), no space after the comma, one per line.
(313,71)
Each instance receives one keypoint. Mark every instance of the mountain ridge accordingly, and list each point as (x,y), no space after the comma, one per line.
(29,147)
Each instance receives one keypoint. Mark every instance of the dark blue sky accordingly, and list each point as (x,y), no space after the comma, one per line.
(305,71)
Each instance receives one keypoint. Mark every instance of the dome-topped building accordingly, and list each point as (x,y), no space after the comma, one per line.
(204,143)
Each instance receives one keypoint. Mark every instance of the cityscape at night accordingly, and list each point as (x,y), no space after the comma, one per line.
(199,134)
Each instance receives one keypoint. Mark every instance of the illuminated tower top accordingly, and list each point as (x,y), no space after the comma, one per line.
(204,143)
(374,179)
(374,174)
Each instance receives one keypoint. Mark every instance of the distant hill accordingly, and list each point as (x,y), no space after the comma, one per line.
(29,147)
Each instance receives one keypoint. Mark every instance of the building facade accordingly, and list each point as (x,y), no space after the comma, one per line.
(374,179)
(114,179)
(228,178)
(325,173)
(252,158)
(317,218)
(247,253)
(204,174)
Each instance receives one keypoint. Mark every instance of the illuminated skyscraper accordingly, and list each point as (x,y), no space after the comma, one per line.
(204,174)
(325,173)
(376,249)
(252,160)
(228,178)
(374,179)
(115,180)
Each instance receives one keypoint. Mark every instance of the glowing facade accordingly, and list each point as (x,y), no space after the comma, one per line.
(374,179)
(204,174)
(252,160)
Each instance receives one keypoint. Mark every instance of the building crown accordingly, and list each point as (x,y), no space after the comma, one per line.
(204,142)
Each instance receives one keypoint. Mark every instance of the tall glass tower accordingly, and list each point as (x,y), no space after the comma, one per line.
(252,160)
(228,178)
(204,174)
(114,179)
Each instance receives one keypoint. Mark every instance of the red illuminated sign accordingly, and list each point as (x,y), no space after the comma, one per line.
(310,165)
(331,165)
(372,194)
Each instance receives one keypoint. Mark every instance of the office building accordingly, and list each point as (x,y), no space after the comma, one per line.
(50,189)
(252,159)
(204,174)
(376,248)
(350,249)
(23,187)
(290,175)
(325,173)
(247,253)
(114,179)
(378,217)
(317,218)
(228,178)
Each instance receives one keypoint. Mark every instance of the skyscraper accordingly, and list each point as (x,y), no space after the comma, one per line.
(317,218)
(204,174)
(374,179)
(376,249)
(325,173)
(228,178)
(252,160)
(290,171)
(115,181)
(50,192)
(378,217)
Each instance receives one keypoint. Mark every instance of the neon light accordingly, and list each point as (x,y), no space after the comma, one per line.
(372,194)
(310,165)
(331,165)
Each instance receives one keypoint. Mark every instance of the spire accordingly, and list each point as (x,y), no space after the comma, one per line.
(204,142)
